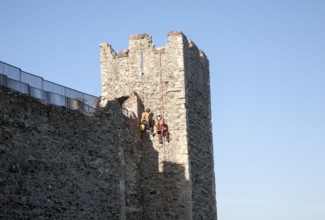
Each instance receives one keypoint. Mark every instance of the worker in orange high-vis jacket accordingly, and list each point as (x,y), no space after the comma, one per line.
(161,128)
(145,119)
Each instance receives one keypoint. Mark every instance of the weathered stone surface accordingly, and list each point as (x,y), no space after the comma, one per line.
(57,163)
(174,81)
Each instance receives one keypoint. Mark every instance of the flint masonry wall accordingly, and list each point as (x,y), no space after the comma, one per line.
(57,163)
(172,80)
(198,102)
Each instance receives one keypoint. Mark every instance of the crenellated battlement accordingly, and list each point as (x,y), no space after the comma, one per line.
(144,42)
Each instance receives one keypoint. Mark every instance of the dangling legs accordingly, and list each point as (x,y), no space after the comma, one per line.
(166,134)
(158,130)
(159,137)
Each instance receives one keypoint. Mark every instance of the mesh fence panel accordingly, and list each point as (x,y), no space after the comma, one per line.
(71,93)
(37,93)
(53,87)
(18,86)
(32,80)
(57,99)
(10,71)
(24,88)
(73,103)
(91,100)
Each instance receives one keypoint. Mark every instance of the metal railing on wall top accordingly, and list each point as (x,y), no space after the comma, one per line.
(35,86)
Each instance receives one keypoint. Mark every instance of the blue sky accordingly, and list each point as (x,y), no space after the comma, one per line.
(267,66)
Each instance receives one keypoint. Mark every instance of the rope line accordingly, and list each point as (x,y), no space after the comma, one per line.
(161,87)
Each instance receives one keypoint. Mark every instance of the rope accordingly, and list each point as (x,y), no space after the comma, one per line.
(144,93)
(161,87)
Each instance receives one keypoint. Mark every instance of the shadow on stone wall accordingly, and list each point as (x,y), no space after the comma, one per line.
(154,187)
(161,191)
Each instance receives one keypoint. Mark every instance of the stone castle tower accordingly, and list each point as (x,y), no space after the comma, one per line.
(176,179)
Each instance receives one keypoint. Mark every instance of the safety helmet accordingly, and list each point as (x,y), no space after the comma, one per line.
(158,114)
(142,127)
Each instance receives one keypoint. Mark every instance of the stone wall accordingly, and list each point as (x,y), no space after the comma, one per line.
(198,102)
(57,163)
(165,81)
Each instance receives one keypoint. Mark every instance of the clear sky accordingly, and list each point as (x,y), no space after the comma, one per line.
(267,66)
